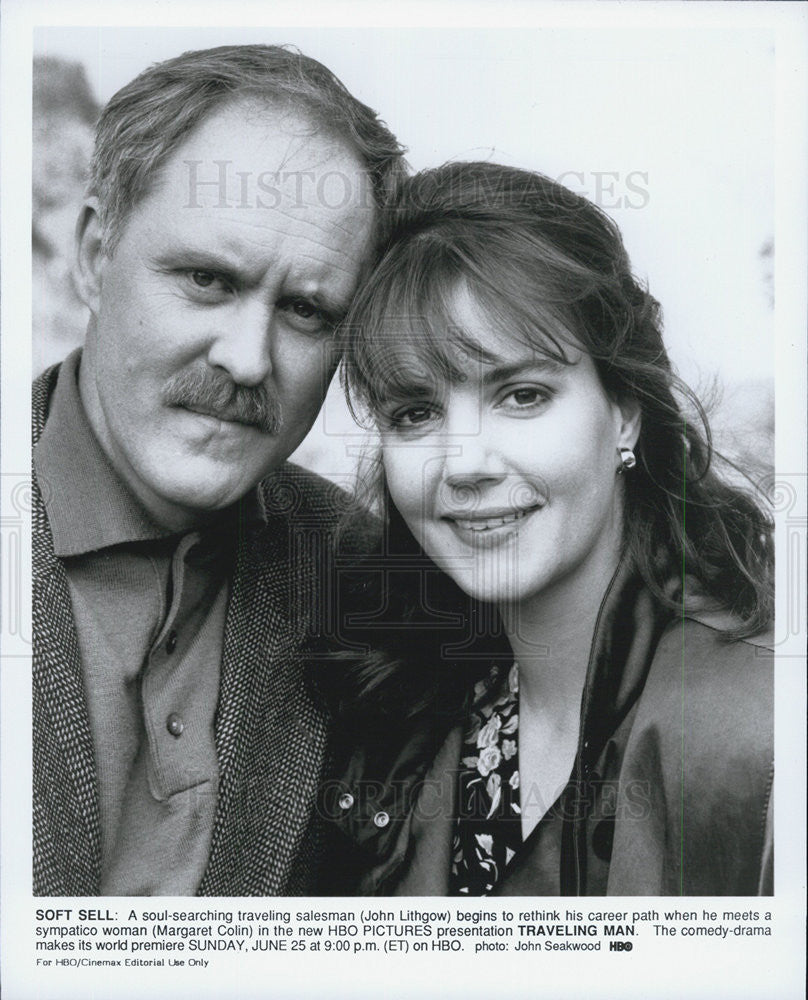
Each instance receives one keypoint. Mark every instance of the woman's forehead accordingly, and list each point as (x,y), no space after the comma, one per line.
(458,335)
(425,369)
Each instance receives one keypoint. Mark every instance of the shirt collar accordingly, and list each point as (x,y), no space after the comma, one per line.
(89,507)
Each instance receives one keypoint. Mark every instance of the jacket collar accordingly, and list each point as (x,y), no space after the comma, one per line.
(373,803)
(67,861)
(627,629)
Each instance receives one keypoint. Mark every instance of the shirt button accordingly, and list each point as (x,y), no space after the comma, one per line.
(171,642)
(346,801)
(381,819)
(175,725)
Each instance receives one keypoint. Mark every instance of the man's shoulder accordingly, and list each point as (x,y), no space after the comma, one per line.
(303,497)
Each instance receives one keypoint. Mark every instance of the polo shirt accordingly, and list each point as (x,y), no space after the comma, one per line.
(149,606)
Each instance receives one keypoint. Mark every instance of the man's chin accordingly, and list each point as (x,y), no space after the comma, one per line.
(180,504)
(182,485)
(206,502)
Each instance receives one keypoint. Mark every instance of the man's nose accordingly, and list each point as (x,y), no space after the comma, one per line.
(243,343)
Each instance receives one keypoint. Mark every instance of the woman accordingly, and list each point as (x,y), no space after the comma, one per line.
(597,717)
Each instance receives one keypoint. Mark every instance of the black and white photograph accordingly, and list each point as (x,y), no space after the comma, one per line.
(414,510)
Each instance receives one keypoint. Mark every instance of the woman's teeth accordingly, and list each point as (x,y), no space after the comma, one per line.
(479,524)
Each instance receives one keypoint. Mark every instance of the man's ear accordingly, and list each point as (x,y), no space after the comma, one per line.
(630,422)
(89,255)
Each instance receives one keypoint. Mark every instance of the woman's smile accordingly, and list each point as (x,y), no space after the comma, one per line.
(489,527)
(505,474)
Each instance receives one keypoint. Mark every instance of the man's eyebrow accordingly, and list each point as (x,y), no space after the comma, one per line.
(501,373)
(203,260)
(222,263)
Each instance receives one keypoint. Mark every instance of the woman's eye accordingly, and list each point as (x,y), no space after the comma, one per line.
(419,415)
(412,416)
(525,397)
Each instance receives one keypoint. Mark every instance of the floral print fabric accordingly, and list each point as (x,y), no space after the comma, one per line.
(488,831)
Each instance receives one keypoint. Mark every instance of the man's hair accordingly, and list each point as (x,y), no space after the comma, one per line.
(147,120)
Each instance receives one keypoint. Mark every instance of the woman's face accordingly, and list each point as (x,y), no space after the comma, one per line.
(507,477)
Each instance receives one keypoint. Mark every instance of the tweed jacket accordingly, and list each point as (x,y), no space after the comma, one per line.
(271,732)
(670,793)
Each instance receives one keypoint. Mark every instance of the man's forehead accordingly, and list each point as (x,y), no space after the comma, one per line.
(242,152)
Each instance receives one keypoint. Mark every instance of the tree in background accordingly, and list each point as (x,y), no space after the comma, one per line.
(65,112)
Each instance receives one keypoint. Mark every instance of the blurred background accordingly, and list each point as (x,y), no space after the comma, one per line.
(671,132)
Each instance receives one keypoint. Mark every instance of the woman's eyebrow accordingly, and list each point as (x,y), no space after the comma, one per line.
(501,373)
(404,390)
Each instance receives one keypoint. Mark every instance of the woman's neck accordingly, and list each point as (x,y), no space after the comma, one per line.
(551,637)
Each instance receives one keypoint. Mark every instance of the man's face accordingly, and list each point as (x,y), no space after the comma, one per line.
(209,349)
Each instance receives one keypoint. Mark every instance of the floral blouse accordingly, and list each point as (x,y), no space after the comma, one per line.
(488,831)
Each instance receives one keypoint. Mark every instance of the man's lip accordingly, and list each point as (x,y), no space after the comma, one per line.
(224,418)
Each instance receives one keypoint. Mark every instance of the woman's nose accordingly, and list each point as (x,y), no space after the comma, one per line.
(471,456)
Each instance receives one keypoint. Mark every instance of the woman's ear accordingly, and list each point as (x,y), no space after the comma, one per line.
(630,420)
(89,255)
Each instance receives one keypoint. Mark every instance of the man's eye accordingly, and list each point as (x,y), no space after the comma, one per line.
(305,310)
(305,315)
(209,281)
(203,278)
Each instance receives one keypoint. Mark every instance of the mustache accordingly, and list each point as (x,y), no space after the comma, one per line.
(211,391)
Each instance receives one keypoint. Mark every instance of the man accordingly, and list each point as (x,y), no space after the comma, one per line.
(177,746)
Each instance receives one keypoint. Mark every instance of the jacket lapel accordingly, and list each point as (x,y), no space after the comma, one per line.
(67,841)
(270,732)
(433,825)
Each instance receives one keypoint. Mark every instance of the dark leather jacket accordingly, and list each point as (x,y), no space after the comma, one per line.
(670,792)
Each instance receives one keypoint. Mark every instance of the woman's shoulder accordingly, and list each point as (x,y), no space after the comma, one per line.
(720,689)
(704,640)
(701,746)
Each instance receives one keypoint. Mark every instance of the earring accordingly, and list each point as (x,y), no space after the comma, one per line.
(627,460)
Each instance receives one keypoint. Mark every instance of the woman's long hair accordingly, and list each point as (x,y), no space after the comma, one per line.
(549,267)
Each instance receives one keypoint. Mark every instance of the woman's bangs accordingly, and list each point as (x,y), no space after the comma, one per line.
(529,321)
(406,342)
(520,288)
